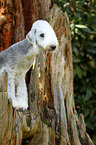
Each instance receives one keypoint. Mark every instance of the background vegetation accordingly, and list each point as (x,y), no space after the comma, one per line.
(82,15)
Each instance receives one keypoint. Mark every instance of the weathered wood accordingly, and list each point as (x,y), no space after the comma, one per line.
(51,118)
(18,125)
(12,30)
(15,125)
(54,79)
(51,93)
(10,126)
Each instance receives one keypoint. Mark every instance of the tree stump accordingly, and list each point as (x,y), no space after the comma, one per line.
(51,118)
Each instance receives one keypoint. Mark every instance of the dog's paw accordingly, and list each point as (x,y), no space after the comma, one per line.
(20,104)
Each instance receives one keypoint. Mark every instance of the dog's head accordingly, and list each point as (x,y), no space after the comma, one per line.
(43,36)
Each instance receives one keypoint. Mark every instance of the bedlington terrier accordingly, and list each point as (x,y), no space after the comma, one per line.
(19,57)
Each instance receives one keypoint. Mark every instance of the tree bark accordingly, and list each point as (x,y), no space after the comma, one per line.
(51,118)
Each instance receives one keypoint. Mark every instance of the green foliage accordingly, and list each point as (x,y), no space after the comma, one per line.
(82,15)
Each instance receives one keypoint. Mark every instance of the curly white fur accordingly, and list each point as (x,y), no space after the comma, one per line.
(19,57)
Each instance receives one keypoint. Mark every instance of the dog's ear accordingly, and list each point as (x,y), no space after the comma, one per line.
(31,36)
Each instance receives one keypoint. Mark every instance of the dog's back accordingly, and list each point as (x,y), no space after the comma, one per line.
(16,54)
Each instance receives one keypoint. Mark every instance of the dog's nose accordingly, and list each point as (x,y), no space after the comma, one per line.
(53,47)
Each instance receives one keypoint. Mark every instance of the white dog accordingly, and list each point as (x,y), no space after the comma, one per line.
(19,57)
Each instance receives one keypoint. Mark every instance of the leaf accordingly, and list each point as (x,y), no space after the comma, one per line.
(87,30)
(92,51)
(90,126)
(81,26)
(75,50)
(94,90)
(84,28)
(76,60)
(78,71)
(81,34)
(93,26)
(87,112)
(88,95)
(77,14)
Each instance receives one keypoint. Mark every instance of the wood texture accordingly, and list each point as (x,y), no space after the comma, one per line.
(51,118)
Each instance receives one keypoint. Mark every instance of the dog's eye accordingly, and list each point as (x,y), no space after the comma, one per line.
(42,35)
